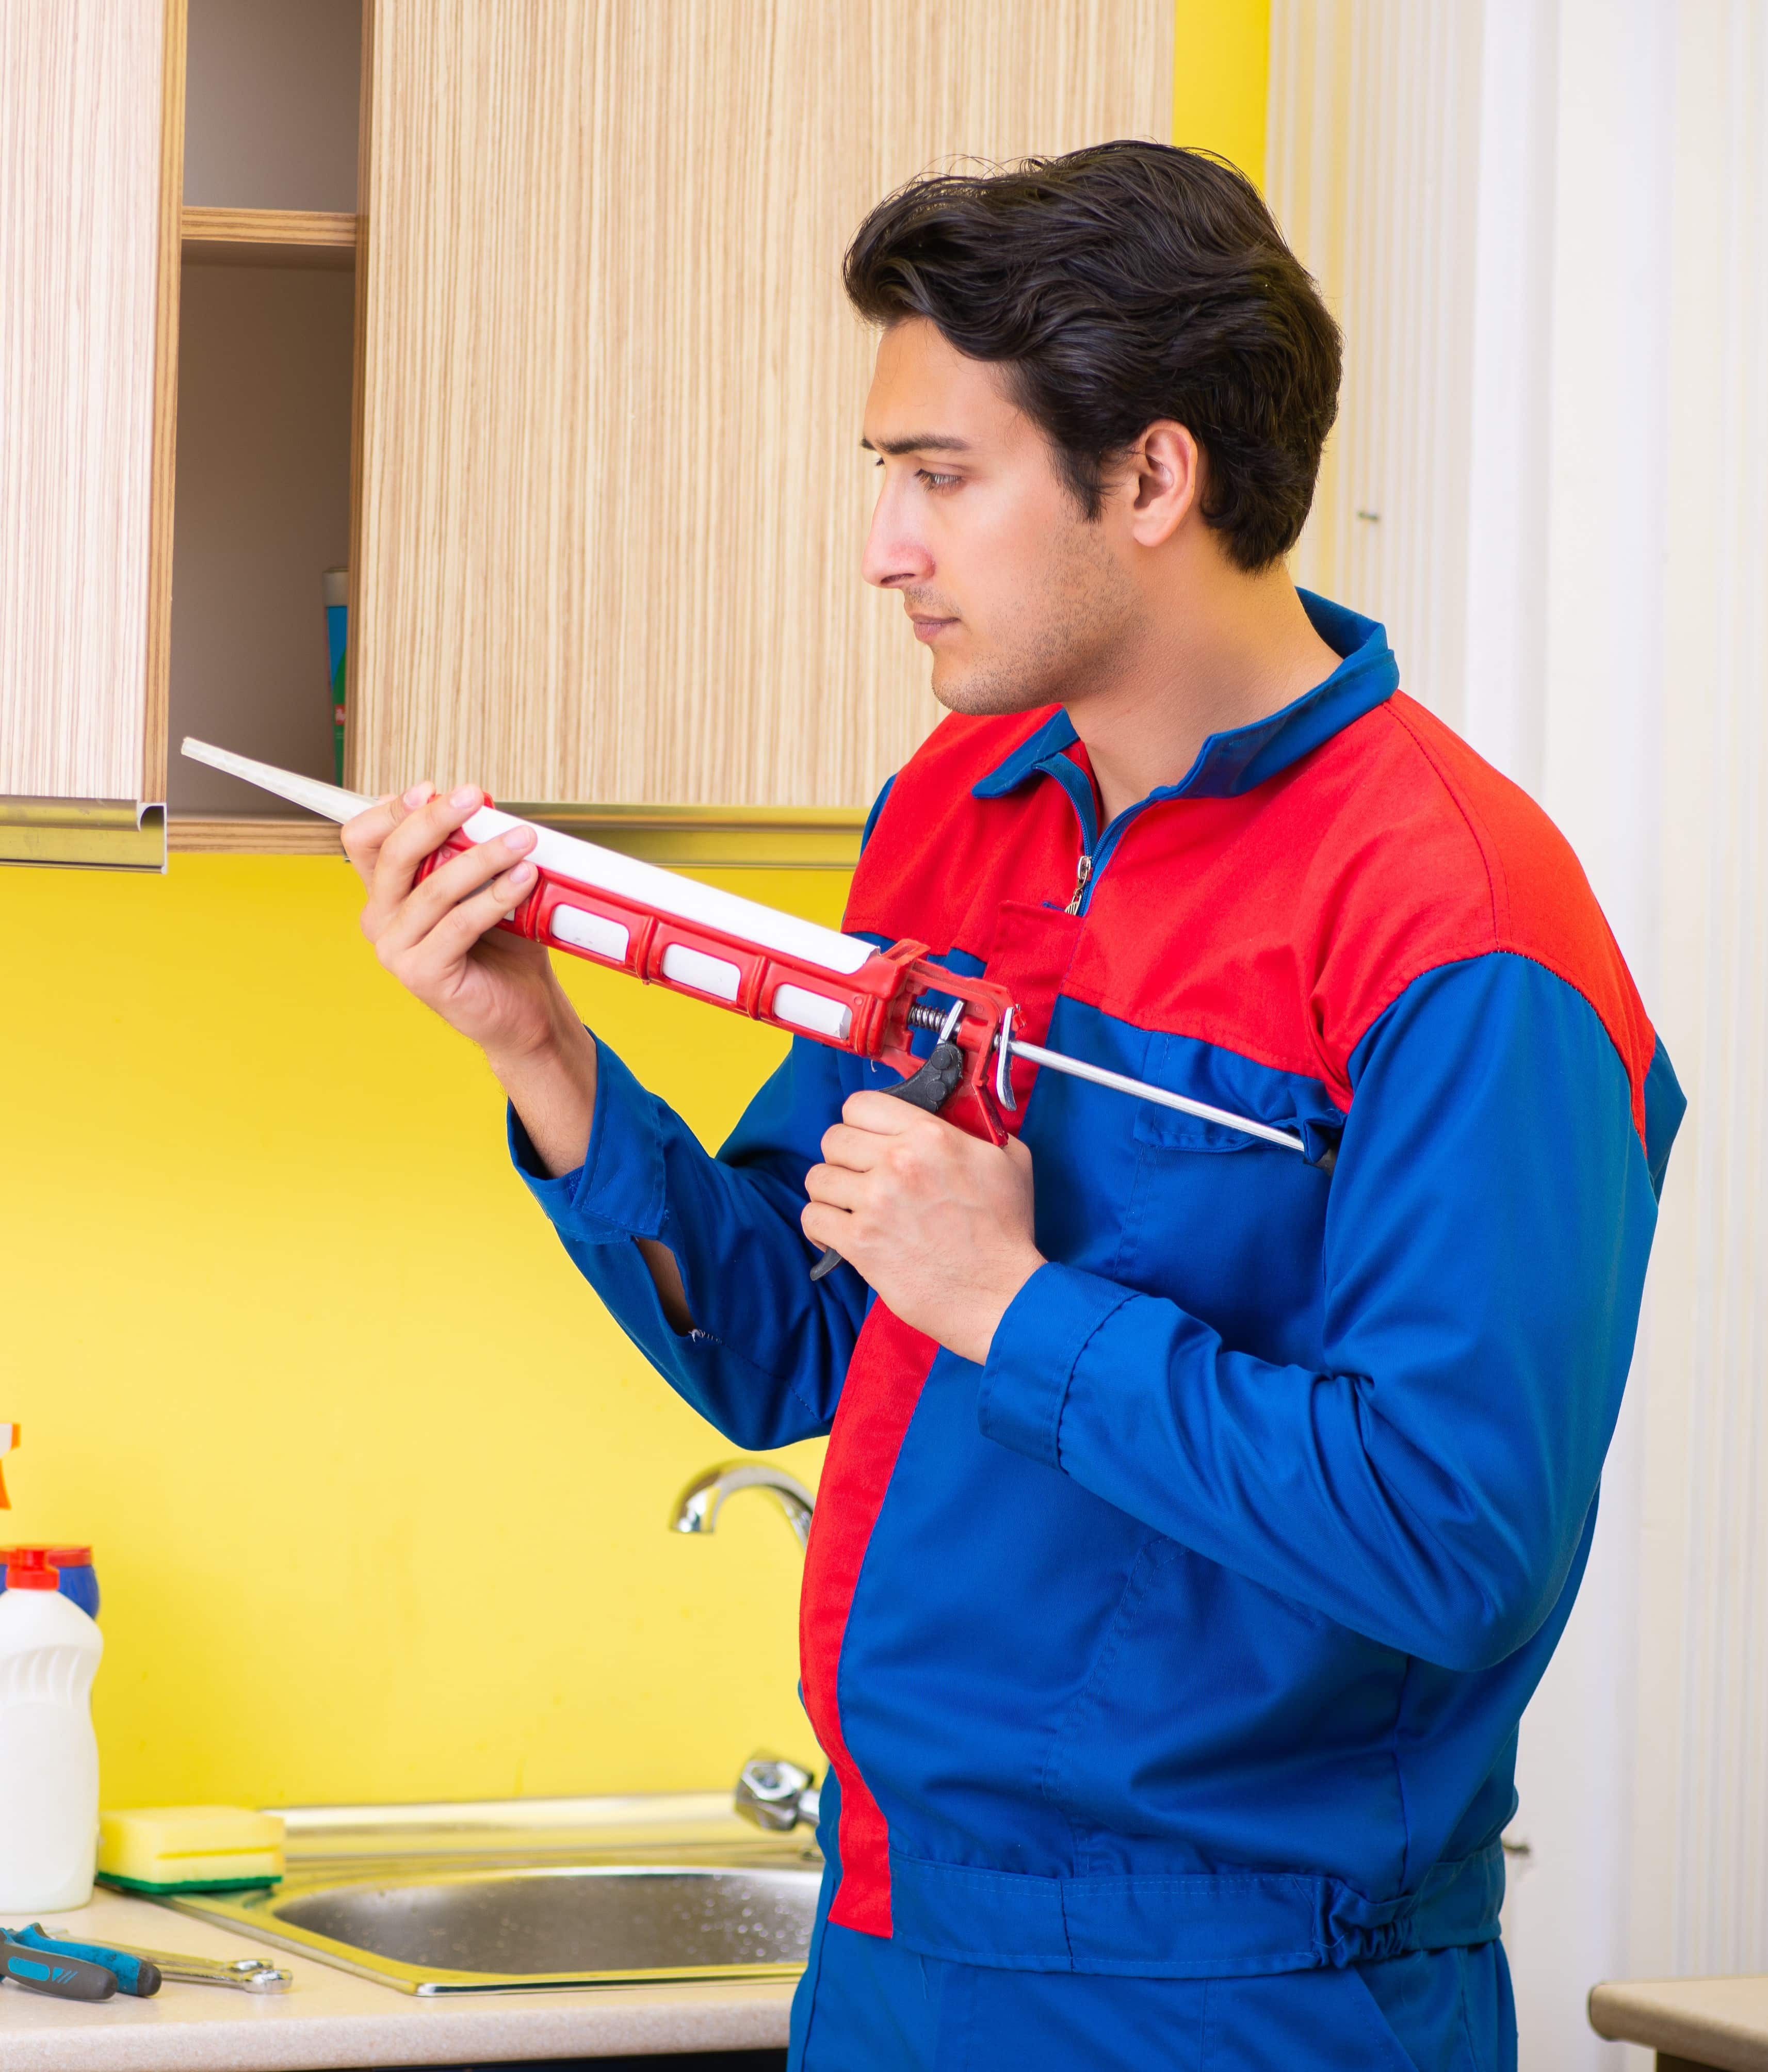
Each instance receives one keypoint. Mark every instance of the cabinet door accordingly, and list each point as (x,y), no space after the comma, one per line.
(88,155)
(611,503)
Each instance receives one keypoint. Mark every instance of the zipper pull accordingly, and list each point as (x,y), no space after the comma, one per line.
(1083,872)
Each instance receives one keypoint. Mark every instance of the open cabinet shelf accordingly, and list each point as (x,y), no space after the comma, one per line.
(325,238)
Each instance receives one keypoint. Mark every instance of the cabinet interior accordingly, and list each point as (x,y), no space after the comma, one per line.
(262,509)
(262,504)
(270,105)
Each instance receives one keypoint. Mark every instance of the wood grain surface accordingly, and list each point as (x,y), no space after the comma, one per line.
(260,227)
(680,838)
(81,147)
(168,286)
(612,503)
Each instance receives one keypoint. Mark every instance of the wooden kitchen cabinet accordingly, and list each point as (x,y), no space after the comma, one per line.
(531,313)
(85,245)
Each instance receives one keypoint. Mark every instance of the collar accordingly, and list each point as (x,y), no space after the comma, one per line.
(1230,763)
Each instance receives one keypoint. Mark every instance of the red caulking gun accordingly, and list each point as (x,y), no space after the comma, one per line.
(671,931)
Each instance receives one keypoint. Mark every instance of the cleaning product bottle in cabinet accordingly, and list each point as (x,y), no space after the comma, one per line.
(49,1652)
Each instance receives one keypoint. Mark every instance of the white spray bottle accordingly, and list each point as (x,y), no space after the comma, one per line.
(49,1652)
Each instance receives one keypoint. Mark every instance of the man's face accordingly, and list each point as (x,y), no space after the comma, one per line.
(1021,601)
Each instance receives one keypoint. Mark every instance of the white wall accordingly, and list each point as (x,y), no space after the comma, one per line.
(1574,564)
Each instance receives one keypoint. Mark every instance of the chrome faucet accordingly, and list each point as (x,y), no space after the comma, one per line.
(697,1508)
(776,1795)
(771,1793)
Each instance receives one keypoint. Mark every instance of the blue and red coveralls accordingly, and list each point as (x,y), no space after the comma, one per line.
(1169,1666)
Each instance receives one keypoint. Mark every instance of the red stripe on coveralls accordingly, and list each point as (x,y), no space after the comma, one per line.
(884,1381)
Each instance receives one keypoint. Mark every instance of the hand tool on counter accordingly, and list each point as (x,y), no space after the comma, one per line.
(142,1972)
(62,1975)
(131,1972)
(246,1975)
(671,931)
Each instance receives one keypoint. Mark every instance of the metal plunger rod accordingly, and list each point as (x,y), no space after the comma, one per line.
(923,1014)
(1121,1082)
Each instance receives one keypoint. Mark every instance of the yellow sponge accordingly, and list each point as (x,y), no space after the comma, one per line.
(189,1849)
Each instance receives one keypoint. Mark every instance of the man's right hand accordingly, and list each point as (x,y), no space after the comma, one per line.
(439,937)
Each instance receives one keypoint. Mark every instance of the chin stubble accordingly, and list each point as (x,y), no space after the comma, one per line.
(1065,639)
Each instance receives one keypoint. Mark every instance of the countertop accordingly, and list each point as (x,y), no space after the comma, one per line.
(1720,2022)
(331,2018)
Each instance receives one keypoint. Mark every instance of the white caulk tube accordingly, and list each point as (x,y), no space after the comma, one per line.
(566,855)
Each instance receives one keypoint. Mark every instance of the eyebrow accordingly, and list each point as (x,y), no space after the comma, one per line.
(920,443)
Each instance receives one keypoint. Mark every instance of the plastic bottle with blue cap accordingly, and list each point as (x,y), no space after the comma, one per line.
(49,1654)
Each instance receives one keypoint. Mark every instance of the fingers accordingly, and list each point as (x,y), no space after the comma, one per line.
(859,1150)
(425,822)
(882,1113)
(462,878)
(362,836)
(836,1187)
(823,1224)
(422,959)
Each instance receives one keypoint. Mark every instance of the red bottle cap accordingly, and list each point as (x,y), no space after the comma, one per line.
(28,1569)
(64,1557)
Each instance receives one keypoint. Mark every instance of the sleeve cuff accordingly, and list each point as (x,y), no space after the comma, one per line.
(617,1193)
(1037,1345)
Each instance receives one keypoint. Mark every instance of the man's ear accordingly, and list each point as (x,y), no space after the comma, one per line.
(1163,474)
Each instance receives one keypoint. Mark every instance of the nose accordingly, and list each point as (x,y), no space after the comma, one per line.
(895,554)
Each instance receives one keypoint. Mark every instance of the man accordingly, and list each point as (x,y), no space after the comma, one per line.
(1197,1517)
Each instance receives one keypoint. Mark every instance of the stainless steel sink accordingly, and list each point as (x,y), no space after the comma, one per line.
(491,1899)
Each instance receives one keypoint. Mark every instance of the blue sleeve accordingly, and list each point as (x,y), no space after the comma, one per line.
(770,1349)
(765,1361)
(1489,1222)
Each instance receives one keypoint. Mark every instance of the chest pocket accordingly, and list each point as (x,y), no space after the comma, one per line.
(1202,1073)
(1228,1226)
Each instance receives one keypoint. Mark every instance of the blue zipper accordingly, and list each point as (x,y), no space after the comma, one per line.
(1096,852)
(1096,849)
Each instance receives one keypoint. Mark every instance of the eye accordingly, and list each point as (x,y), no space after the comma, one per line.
(936,481)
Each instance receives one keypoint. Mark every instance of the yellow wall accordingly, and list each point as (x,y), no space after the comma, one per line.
(377,1490)
(1220,64)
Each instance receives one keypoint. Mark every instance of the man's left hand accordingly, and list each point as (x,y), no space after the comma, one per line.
(937,1222)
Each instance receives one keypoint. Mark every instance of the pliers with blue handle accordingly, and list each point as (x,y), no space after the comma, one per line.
(73,1970)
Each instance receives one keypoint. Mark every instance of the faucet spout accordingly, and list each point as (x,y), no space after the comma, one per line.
(697,1508)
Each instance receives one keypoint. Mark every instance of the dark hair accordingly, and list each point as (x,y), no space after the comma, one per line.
(1121,284)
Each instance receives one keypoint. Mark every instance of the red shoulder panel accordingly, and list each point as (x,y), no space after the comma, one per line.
(947,859)
(1280,924)
(1543,905)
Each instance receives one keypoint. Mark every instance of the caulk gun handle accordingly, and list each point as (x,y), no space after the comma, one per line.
(928,1089)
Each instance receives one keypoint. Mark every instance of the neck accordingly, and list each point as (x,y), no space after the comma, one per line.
(1237,649)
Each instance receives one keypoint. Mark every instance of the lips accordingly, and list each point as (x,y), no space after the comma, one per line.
(929,629)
